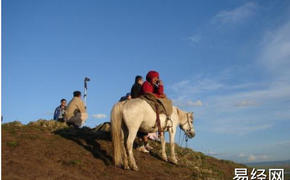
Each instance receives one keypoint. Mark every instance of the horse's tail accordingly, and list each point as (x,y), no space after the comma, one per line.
(116,122)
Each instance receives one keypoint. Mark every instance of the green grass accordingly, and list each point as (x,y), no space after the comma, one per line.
(12,144)
(72,163)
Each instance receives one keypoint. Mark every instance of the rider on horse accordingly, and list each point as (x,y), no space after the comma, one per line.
(153,85)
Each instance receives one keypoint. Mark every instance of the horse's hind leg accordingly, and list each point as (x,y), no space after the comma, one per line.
(130,140)
(125,156)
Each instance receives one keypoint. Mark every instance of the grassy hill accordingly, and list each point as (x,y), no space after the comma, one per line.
(44,150)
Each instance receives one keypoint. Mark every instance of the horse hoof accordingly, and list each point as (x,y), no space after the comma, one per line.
(135,168)
(173,161)
(165,159)
(126,167)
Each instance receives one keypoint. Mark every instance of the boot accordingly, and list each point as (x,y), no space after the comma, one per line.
(142,149)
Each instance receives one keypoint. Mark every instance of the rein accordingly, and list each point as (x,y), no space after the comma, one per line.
(185,137)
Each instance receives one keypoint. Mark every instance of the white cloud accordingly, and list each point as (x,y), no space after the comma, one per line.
(239,128)
(236,15)
(195,38)
(252,158)
(261,157)
(99,116)
(249,157)
(196,103)
(242,155)
(275,51)
(197,85)
(48,113)
(189,103)
(246,103)
(267,100)
(213,153)
(283,143)
(219,101)
(221,94)
(274,91)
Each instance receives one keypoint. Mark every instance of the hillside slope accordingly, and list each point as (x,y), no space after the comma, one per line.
(51,150)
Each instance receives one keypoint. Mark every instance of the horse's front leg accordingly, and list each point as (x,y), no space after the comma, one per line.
(130,140)
(162,139)
(172,146)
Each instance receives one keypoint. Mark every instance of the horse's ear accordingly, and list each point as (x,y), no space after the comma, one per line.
(192,115)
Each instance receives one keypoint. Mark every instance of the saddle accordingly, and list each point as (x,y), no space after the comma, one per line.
(160,106)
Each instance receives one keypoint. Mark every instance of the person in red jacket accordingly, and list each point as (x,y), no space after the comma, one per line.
(153,85)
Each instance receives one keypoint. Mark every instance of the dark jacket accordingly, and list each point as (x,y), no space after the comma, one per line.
(57,113)
(136,90)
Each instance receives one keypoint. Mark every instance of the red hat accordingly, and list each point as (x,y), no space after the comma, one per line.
(151,74)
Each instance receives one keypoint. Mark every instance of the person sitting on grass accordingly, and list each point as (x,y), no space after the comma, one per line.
(59,112)
(76,113)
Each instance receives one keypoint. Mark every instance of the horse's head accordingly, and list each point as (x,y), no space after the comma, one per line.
(186,122)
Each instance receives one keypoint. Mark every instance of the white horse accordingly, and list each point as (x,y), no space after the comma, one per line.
(134,115)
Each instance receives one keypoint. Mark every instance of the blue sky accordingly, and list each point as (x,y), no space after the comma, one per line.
(227,61)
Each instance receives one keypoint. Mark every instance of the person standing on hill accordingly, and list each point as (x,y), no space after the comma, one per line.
(76,113)
(59,112)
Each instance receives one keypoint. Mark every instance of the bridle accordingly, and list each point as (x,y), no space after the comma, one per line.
(186,132)
(187,122)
